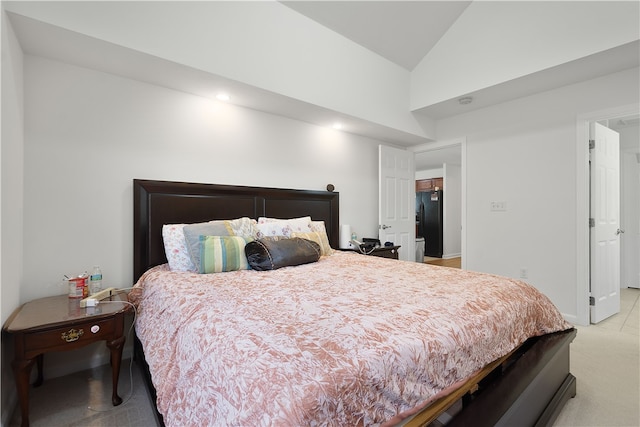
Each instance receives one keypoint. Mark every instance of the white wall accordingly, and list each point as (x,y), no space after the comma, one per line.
(430,173)
(88,134)
(524,153)
(11,166)
(11,173)
(452,232)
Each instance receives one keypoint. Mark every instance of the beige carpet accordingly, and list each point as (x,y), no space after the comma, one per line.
(605,360)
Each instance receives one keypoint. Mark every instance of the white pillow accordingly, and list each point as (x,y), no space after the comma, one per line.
(269,227)
(244,227)
(319,227)
(175,248)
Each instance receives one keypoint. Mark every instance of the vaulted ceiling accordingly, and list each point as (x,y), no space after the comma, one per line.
(405,31)
(401,31)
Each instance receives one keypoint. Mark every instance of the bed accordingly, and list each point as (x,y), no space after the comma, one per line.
(347,340)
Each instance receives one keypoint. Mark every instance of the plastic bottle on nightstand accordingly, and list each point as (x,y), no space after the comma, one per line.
(95,280)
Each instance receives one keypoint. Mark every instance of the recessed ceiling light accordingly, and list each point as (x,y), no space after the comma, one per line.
(222,97)
(337,125)
(465,100)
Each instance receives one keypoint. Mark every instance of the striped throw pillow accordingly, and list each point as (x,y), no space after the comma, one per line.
(222,253)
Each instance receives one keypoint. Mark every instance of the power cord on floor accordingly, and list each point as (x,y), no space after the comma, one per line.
(135,315)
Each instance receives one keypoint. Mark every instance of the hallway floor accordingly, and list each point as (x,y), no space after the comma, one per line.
(444,262)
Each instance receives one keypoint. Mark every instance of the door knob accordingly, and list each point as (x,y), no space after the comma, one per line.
(618,231)
(384,227)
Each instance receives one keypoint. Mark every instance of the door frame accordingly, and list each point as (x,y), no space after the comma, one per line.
(438,145)
(583,186)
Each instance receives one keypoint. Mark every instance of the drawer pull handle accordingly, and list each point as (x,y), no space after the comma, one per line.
(72,335)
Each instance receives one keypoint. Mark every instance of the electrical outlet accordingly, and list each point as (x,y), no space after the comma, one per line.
(498,206)
(524,273)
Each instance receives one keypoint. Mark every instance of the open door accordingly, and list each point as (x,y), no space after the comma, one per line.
(605,223)
(396,200)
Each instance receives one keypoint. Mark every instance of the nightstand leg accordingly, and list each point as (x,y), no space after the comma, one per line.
(40,365)
(21,370)
(116,347)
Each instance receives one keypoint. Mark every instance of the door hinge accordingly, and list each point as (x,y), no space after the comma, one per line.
(592,144)
(592,222)
(592,301)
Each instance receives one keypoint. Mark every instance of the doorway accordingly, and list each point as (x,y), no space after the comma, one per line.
(583,188)
(447,158)
(629,129)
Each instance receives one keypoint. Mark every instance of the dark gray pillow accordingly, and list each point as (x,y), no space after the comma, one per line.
(271,253)
(192,233)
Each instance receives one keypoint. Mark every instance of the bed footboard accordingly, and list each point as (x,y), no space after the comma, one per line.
(531,391)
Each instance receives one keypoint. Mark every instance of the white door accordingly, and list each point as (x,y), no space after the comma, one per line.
(397,200)
(605,233)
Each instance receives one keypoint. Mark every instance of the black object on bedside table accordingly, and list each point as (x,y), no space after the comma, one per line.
(382,251)
(386,252)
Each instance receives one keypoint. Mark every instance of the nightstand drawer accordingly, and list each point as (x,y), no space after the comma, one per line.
(80,333)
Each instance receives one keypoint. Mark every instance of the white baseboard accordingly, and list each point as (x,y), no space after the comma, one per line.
(572,318)
(449,256)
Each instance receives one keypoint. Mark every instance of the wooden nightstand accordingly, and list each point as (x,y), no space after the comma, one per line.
(59,324)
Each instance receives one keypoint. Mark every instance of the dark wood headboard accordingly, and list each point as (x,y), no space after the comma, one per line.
(156,203)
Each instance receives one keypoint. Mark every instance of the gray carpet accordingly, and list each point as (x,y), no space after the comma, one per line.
(83,399)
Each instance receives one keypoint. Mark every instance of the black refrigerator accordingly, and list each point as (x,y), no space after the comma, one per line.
(429,221)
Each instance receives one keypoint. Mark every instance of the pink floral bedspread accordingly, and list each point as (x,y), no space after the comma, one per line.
(349,340)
